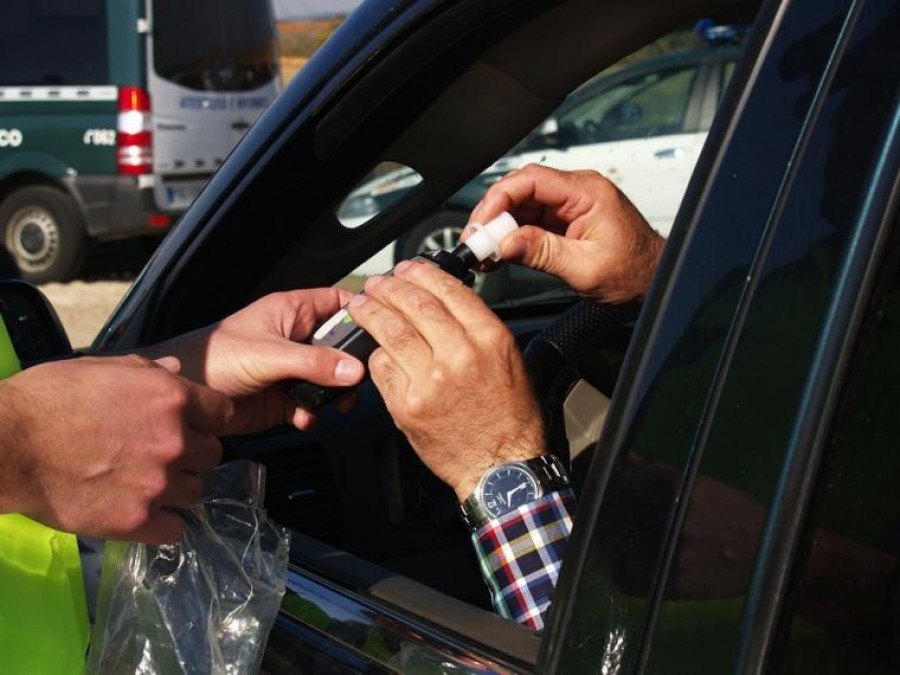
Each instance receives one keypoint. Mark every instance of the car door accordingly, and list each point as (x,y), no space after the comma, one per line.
(696,551)
(382,575)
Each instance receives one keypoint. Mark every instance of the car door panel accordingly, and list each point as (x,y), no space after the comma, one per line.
(656,423)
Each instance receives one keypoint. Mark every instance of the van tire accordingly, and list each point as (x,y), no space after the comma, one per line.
(43,229)
(442,230)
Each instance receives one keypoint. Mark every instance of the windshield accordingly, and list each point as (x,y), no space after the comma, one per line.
(214,45)
(51,43)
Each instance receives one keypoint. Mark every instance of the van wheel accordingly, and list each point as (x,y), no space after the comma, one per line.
(44,231)
(441,231)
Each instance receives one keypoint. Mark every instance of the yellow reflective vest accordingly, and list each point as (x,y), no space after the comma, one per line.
(43,613)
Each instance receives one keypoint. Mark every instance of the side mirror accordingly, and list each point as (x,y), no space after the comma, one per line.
(32,323)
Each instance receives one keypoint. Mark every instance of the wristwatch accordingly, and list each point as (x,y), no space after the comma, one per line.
(506,487)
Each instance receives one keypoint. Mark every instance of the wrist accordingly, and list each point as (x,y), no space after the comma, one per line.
(475,471)
(506,488)
(190,349)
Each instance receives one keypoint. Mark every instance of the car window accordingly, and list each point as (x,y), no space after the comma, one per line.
(846,598)
(653,104)
(53,42)
(592,129)
(727,71)
(232,52)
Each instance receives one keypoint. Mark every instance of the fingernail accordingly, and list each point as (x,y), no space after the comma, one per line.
(357,301)
(514,248)
(348,371)
(402,265)
(170,363)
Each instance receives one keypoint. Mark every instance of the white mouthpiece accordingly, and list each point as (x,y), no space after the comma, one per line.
(485,243)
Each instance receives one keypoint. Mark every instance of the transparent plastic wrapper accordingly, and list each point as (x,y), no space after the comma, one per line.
(204,604)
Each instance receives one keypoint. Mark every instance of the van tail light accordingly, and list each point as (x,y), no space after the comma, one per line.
(134,135)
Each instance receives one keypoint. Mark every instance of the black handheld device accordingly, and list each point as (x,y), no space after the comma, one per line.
(341,331)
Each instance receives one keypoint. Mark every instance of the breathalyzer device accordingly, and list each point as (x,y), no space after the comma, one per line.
(342,332)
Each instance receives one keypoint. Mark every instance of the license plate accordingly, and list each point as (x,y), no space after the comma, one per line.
(178,196)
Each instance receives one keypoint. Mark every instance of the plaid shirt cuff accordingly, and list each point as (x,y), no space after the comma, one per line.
(521,553)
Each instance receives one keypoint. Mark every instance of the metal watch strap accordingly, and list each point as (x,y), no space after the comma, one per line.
(548,470)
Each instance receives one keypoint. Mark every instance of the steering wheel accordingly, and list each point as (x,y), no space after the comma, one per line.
(590,130)
(556,360)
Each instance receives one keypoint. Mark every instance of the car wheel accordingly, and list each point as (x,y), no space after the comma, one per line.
(44,232)
(441,231)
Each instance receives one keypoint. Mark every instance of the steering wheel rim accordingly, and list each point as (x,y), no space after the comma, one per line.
(552,354)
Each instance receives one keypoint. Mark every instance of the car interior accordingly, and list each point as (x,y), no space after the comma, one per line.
(446,99)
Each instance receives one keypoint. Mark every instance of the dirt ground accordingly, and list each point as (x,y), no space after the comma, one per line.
(84,306)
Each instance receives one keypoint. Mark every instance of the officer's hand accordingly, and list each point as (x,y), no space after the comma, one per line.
(577,226)
(105,447)
(450,373)
(249,354)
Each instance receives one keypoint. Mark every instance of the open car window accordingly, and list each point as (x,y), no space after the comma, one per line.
(379,520)
(618,123)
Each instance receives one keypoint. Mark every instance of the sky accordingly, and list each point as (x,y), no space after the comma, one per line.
(300,9)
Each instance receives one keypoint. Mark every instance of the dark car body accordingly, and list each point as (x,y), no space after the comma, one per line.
(756,406)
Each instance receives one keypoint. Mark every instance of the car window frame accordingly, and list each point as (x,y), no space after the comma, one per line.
(768,38)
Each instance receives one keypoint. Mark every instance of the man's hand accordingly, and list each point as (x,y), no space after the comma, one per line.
(450,373)
(577,226)
(105,447)
(247,355)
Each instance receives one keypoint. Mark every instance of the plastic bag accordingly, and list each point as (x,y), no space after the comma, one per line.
(204,604)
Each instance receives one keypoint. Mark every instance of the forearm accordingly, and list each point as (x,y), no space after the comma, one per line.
(15,472)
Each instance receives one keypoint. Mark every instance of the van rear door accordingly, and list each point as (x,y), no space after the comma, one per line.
(212,70)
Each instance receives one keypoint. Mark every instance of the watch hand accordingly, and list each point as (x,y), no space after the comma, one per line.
(514,491)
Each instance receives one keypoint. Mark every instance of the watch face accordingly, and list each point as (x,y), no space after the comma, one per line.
(506,488)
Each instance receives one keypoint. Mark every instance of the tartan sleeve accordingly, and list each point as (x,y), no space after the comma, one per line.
(521,553)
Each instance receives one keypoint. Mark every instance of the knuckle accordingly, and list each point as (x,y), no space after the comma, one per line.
(429,308)
(532,169)
(155,484)
(400,335)
(134,517)
(416,405)
(547,253)
(379,361)
(171,449)
(439,375)
(174,397)
(449,285)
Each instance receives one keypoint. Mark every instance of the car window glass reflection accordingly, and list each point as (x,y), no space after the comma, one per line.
(846,609)
(381,187)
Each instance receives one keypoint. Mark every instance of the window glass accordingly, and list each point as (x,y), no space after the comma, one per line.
(652,104)
(593,129)
(846,600)
(727,73)
(53,42)
(214,45)
(383,186)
